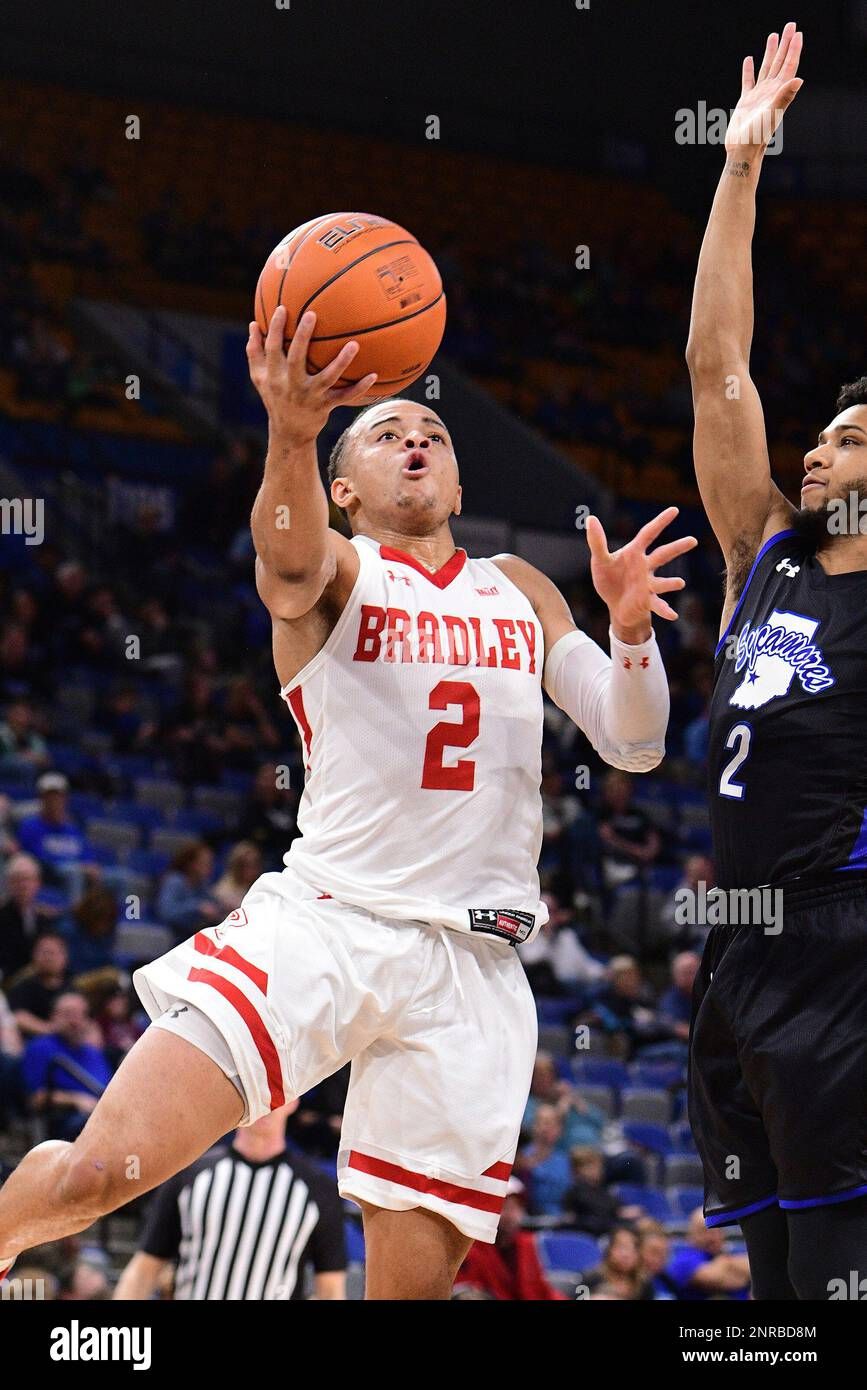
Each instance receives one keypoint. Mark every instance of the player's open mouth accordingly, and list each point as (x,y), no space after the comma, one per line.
(415,467)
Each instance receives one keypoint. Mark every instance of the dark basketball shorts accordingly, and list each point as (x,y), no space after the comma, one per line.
(778,1057)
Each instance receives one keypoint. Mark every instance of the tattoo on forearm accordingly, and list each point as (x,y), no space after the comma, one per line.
(738,168)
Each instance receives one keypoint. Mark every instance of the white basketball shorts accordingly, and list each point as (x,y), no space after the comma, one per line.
(440,1028)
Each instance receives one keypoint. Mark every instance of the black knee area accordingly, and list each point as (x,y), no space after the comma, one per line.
(828,1250)
(767,1236)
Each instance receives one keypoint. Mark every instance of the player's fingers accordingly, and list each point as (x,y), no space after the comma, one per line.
(255,349)
(596,538)
(670,551)
(770,50)
(748,75)
(662,585)
(335,369)
(276,332)
(780,56)
(793,56)
(787,94)
(354,394)
(297,354)
(651,529)
(662,609)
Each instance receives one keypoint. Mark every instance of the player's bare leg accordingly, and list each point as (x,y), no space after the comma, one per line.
(167,1104)
(410,1254)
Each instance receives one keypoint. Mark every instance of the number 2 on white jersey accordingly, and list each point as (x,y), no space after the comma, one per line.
(460,777)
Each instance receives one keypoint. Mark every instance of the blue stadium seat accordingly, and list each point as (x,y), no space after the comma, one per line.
(656,1138)
(236,781)
(68,759)
(681,1137)
(103,854)
(572,1250)
(148,861)
(53,897)
(19,778)
(554,1010)
(133,813)
(665,877)
(85,806)
(657,1074)
(354,1242)
(684,1200)
(18,791)
(651,1199)
(128,766)
(198,823)
(605,1072)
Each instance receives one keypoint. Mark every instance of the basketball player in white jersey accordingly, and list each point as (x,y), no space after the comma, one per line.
(415,677)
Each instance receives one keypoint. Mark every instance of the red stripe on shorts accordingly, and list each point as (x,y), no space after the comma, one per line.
(259,1033)
(404,1177)
(230,956)
(500,1171)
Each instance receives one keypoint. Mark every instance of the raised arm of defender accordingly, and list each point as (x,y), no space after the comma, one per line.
(743,503)
(296,552)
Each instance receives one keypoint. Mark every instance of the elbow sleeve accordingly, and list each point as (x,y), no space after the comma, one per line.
(620,702)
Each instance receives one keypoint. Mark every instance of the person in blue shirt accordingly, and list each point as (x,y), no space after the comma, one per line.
(582,1123)
(62,1072)
(184,902)
(51,836)
(91,930)
(701,1269)
(675,1006)
(544,1166)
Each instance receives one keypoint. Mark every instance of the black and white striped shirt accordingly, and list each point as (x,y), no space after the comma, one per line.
(245,1230)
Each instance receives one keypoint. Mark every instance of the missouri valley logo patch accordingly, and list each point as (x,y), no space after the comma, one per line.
(505,923)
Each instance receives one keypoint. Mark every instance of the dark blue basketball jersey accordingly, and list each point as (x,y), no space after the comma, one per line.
(787,750)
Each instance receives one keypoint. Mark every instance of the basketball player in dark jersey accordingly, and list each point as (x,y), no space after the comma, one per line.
(778,1064)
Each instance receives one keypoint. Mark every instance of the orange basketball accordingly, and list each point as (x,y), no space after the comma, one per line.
(367,279)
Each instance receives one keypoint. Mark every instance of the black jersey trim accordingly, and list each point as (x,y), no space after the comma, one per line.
(780,536)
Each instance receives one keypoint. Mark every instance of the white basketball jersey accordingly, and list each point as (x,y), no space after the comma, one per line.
(421,724)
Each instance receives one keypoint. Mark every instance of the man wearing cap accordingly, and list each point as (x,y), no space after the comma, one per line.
(51,836)
(509,1269)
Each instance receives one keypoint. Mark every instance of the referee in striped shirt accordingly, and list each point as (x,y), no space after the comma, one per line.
(244,1222)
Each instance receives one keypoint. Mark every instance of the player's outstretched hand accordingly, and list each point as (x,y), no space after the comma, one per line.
(764,99)
(299,402)
(626,579)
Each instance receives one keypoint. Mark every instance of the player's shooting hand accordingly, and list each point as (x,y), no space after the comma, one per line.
(626,579)
(764,99)
(299,402)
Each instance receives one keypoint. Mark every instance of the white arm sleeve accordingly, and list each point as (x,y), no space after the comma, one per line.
(620,702)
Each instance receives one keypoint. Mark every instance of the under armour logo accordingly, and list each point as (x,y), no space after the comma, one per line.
(791,570)
(398,578)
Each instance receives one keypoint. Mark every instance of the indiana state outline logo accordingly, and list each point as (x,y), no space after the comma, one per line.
(772,653)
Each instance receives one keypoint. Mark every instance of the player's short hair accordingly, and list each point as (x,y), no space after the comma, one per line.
(335,458)
(853,394)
